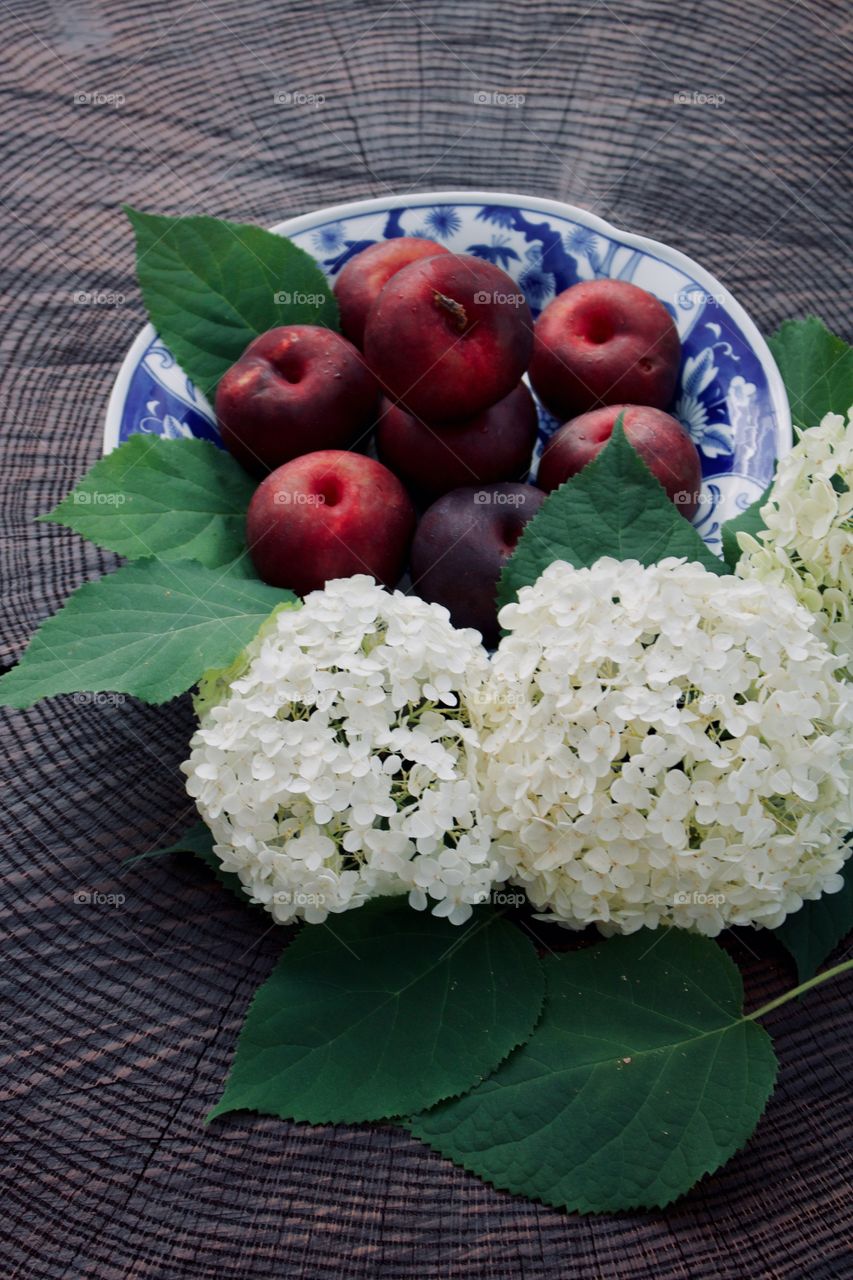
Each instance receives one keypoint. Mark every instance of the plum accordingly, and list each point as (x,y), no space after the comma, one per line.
(448,337)
(660,440)
(461,545)
(294,390)
(496,445)
(329,514)
(365,275)
(604,342)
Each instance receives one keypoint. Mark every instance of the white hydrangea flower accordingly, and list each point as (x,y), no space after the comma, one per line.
(664,746)
(808,541)
(336,761)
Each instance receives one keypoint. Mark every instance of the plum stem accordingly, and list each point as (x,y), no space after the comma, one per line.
(455,310)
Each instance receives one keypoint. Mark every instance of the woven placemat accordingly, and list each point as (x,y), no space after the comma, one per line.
(120,1018)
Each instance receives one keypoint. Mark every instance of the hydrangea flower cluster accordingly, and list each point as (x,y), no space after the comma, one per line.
(808,541)
(664,746)
(339,763)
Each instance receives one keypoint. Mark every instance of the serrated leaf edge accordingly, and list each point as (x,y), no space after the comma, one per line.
(584,1207)
(347,1117)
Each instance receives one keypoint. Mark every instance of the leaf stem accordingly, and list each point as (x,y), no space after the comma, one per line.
(801,989)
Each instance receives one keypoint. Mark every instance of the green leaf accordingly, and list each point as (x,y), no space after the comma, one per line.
(749,521)
(816,367)
(214,683)
(198,841)
(614,507)
(173,499)
(381,1012)
(811,933)
(642,1076)
(151,629)
(211,286)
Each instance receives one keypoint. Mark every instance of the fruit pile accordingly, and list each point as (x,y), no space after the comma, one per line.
(430,373)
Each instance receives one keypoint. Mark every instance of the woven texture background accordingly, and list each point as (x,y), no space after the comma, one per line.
(119,1021)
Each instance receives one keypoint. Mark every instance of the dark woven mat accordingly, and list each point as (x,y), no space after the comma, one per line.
(120,1021)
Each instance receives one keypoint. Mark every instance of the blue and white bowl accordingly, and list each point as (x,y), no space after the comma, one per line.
(730,396)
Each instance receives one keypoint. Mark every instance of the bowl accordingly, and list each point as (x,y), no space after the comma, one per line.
(729,397)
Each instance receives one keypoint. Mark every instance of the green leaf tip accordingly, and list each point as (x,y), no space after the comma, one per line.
(384,1011)
(613,507)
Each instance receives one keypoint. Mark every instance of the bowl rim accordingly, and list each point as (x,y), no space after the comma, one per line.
(540,204)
